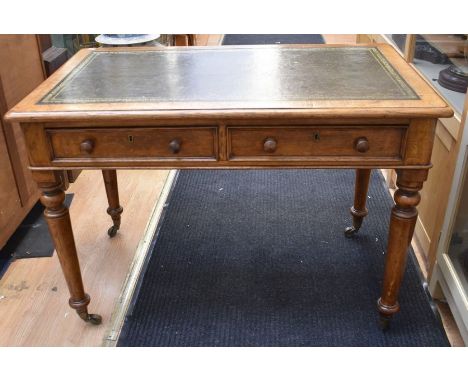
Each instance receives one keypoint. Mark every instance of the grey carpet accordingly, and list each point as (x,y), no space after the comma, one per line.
(258,258)
(259,39)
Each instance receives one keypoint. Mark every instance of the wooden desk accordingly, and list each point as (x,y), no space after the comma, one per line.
(308,106)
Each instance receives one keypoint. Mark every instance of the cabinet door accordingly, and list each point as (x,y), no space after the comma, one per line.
(434,195)
(21,72)
(9,197)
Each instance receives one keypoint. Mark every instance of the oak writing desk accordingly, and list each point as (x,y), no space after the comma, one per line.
(300,106)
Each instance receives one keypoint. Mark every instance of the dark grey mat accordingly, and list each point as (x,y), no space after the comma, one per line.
(31,239)
(258,39)
(259,258)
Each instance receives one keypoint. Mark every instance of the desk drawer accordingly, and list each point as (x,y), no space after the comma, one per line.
(303,142)
(134,142)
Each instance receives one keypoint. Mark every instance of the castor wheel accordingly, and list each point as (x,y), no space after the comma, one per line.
(94,319)
(350,231)
(384,322)
(112,231)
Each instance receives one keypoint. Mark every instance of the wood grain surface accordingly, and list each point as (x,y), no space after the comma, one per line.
(228,104)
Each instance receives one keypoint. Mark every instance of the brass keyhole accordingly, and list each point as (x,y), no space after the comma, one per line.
(130,139)
(316,136)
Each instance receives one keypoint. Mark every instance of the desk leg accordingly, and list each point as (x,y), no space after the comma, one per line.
(402,223)
(112,191)
(58,220)
(359,210)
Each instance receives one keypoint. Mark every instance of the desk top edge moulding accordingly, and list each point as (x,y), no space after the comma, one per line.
(288,80)
(358,107)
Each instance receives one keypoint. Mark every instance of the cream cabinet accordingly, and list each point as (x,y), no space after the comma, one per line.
(449,280)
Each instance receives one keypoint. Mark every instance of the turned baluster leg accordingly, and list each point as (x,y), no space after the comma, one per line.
(58,220)
(112,191)
(359,210)
(402,223)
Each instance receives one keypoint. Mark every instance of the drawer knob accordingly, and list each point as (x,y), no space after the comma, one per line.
(87,146)
(362,145)
(174,145)
(270,145)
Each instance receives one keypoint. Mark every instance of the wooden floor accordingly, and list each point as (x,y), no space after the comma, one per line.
(33,305)
(33,294)
(339,38)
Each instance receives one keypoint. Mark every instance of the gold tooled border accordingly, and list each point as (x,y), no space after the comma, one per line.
(49,97)
(392,73)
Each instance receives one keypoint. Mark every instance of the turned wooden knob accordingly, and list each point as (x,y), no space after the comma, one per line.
(174,145)
(362,145)
(270,145)
(87,146)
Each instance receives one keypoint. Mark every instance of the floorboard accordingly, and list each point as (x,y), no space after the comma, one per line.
(33,293)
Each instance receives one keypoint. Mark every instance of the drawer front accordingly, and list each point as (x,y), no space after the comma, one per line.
(152,142)
(302,143)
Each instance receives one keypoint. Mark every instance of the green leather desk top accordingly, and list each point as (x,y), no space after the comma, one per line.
(231,75)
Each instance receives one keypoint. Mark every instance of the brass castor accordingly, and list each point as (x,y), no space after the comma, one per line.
(94,319)
(112,231)
(384,322)
(350,231)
